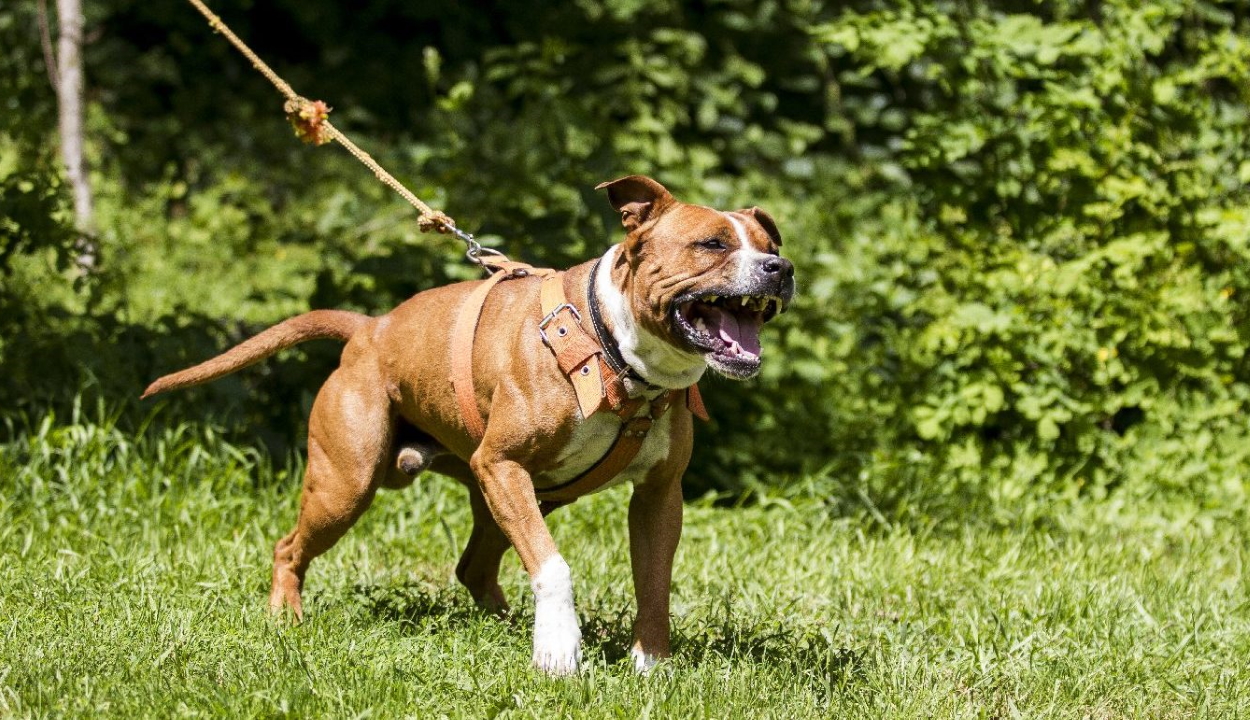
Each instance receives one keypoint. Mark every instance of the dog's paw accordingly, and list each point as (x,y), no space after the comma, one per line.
(558,650)
(643,661)
(557,638)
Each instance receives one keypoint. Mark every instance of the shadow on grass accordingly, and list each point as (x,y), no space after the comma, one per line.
(808,652)
(414,605)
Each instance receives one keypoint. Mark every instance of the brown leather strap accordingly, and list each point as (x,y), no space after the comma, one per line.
(624,450)
(580,356)
(577,353)
(694,402)
(462,336)
(628,442)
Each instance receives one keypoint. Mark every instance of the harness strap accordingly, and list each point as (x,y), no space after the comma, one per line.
(628,442)
(462,335)
(694,403)
(577,353)
(583,358)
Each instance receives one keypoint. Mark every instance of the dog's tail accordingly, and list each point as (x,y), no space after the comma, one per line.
(315,325)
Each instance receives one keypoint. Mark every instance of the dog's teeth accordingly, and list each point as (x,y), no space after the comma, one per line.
(700,325)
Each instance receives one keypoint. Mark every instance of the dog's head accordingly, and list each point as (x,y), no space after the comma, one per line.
(703,281)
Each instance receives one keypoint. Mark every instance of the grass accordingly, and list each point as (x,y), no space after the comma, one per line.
(134,572)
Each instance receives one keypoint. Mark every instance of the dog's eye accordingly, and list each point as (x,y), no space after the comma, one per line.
(711,244)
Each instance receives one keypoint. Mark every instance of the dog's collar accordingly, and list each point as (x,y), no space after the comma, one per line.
(611,349)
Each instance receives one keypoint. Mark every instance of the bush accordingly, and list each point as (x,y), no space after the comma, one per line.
(1020,230)
(1052,287)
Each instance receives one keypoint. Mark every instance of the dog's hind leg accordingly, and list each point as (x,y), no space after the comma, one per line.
(349,440)
(478,568)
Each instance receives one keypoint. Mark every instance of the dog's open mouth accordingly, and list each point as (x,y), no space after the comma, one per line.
(726,329)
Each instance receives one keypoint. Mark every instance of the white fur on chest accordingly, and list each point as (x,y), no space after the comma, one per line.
(659,362)
(593,438)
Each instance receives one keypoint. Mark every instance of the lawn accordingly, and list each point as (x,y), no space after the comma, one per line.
(134,573)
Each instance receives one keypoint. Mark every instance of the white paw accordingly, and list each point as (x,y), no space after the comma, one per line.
(643,661)
(558,649)
(557,638)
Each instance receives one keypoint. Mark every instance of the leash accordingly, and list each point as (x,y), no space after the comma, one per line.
(312,125)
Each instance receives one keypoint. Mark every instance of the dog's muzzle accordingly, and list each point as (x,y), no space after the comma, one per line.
(724,324)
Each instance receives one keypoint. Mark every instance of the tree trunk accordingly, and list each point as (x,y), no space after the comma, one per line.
(69,93)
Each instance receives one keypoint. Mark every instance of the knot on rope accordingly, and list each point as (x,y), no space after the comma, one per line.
(435,221)
(311,120)
(308,117)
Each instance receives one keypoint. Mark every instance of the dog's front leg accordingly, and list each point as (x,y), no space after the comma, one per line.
(655,512)
(509,494)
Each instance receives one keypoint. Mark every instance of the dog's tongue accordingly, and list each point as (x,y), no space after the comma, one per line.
(741,334)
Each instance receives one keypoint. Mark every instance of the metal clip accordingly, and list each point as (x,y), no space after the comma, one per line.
(475,252)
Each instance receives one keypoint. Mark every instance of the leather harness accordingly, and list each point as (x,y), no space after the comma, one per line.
(591,362)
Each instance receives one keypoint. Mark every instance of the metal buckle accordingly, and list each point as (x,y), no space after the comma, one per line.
(551,316)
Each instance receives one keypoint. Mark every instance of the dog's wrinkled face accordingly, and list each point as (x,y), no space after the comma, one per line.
(702,280)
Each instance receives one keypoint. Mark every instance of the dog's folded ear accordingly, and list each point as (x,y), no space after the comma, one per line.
(766,221)
(637,198)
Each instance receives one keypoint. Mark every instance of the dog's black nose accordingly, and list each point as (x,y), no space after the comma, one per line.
(778,266)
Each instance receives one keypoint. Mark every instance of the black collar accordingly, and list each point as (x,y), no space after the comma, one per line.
(611,351)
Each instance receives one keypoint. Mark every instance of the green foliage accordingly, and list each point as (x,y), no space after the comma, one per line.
(1061,293)
(33,206)
(1020,230)
(32,202)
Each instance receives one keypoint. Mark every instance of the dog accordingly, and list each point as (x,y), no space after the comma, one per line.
(471,380)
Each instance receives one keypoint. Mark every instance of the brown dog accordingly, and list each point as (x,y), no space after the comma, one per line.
(688,289)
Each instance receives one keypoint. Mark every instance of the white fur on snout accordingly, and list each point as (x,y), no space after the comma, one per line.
(658,362)
(557,638)
(740,229)
(747,257)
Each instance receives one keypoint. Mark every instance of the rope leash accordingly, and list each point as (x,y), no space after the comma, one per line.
(313,126)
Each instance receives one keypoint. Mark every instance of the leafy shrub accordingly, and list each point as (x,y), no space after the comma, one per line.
(1053,289)
(1021,230)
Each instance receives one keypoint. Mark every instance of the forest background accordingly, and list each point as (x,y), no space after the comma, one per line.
(1022,230)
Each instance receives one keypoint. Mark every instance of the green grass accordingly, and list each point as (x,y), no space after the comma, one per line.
(134,572)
